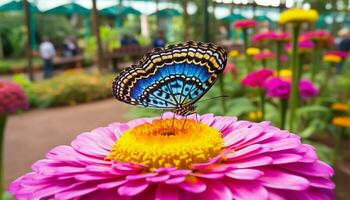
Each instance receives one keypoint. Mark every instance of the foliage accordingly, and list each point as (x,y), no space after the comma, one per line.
(13,65)
(68,88)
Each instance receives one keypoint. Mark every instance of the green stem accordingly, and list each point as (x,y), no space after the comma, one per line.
(245,47)
(2,131)
(300,62)
(262,104)
(338,144)
(278,56)
(264,63)
(284,107)
(315,61)
(294,97)
(222,91)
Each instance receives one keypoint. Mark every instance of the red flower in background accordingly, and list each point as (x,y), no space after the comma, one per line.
(257,78)
(244,24)
(12,98)
(231,69)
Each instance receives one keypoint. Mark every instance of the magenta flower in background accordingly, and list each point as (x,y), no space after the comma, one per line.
(244,24)
(257,78)
(303,46)
(316,35)
(251,161)
(280,36)
(264,55)
(307,89)
(12,98)
(263,36)
(231,69)
(342,54)
(277,88)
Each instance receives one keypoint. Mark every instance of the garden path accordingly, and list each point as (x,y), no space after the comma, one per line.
(29,136)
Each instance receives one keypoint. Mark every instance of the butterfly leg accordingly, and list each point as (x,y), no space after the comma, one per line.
(183,125)
(172,125)
(161,116)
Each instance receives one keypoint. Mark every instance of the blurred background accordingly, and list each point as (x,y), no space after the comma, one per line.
(65,54)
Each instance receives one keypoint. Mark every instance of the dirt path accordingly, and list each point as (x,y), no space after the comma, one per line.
(30,135)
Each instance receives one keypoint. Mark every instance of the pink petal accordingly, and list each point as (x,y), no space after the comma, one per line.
(133,188)
(317,168)
(253,162)
(159,178)
(193,184)
(244,174)
(111,184)
(247,190)
(167,192)
(215,191)
(283,180)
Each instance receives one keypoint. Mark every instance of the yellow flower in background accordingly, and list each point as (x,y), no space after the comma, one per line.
(251,51)
(331,58)
(254,116)
(233,53)
(339,107)
(341,121)
(284,73)
(298,15)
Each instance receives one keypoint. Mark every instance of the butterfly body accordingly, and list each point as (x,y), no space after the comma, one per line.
(172,78)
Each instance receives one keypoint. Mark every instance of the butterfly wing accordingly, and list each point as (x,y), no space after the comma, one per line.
(171,77)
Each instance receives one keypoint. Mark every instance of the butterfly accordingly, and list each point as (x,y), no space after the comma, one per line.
(171,78)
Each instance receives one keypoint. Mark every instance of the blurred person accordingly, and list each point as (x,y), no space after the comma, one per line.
(47,53)
(70,47)
(344,45)
(159,41)
(128,40)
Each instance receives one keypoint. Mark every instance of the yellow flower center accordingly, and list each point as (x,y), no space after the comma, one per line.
(168,142)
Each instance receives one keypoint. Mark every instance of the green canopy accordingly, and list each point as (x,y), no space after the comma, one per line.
(69,9)
(167,12)
(17,6)
(119,10)
(262,18)
(233,17)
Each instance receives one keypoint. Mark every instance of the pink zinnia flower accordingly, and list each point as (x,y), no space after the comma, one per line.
(280,36)
(244,24)
(342,54)
(263,36)
(148,158)
(12,98)
(257,78)
(316,35)
(303,46)
(264,55)
(277,87)
(307,89)
(231,69)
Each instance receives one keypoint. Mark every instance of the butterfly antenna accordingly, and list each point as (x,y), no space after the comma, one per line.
(222,96)
(161,116)
(196,117)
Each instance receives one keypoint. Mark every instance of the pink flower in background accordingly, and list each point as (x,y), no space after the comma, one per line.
(244,24)
(12,98)
(257,78)
(303,46)
(252,161)
(280,36)
(284,58)
(277,88)
(316,35)
(264,55)
(263,36)
(342,54)
(307,89)
(231,69)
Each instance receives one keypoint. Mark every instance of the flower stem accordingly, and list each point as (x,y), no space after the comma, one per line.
(284,107)
(315,61)
(245,47)
(262,103)
(2,131)
(294,99)
(222,91)
(278,56)
(338,144)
